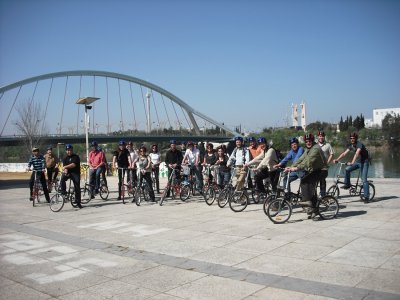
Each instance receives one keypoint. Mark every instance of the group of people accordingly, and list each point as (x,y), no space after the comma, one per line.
(310,163)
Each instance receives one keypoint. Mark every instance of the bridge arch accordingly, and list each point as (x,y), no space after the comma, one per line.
(190,111)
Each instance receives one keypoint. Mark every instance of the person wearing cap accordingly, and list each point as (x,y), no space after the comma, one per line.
(173,160)
(253,147)
(155,157)
(132,174)
(311,162)
(72,169)
(51,167)
(360,160)
(265,163)
(296,151)
(327,149)
(239,157)
(96,167)
(122,161)
(37,162)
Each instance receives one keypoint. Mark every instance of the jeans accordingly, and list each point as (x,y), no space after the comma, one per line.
(364,175)
(223,178)
(94,175)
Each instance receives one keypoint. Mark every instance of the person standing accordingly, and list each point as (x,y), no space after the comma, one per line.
(173,160)
(144,167)
(224,174)
(121,161)
(51,167)
(72,169)
(37,163)
(96,167)
(328,153)
(239,157)
(360,161)
(155,157)
(132,172)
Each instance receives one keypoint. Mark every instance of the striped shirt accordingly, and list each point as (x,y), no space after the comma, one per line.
(37,162)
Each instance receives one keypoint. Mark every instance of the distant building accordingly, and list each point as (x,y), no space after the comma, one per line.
(378,115)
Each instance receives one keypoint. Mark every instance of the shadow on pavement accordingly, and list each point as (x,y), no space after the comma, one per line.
(13,183)
(353,213)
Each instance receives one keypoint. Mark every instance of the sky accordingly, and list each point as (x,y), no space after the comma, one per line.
(238,62)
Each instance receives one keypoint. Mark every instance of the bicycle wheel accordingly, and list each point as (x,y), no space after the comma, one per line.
(371,192)
(254,197)
(164,194)
(104,192)
(185,192)
(238,201)
(146,192)
(124,190)
(85,195)
(209,195)
(56,202)
(328,207)
(333,191)
(223,198)
(279,211)
(267,201)
(72,200)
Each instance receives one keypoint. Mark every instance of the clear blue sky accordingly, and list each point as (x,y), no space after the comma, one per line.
(235,61)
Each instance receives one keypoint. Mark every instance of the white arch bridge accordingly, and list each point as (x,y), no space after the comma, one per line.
(45,106)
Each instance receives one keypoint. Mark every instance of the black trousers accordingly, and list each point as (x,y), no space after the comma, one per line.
(156,170)
(264,173)
(147,176)
(42,182)
(308,185)
(50,171)
(322,182)
(76,180)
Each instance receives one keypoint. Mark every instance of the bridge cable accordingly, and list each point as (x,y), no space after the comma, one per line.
(108,113)
(120,106)
(177,118)
(79,96)
(47,103)
(10,110)
(1,95)
(31,102)
(144,105)
(133,107)
(190,126)
(62,111)
(155,108)
(166,112)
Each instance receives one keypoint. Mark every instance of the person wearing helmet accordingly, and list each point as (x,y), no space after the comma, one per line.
(327,149)
(254,149)
(294,154)
(360,160)
(239,157)
(155,158)
(122,161)
(38,164)
(96,166)
(51,167)
(72,170)
(265,163)
(192,159)
(173,160)
(311,162)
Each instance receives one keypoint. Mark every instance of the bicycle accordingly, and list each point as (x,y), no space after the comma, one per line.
(126,188)
(142,190)
(211,190)
(227,192)
(37,190)
(58,199)
(279,210)
(173,185)
(240,199)
(355,189)
(189,185)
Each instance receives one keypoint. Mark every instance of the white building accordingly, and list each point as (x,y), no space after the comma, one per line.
(378,115)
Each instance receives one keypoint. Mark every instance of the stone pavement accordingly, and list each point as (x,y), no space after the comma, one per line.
(190,250)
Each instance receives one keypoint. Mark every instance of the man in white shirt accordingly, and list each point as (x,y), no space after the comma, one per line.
(192,158)
(239,157)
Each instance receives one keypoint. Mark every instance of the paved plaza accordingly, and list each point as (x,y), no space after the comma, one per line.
(189,250)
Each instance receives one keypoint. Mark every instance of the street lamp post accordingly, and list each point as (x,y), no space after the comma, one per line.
(87,101)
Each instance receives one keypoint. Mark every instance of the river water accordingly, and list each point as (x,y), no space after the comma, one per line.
(383,165)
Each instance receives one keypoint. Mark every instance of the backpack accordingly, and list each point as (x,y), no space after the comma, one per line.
(279,154)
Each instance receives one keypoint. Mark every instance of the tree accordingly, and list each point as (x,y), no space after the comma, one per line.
(30,123)
(391,126)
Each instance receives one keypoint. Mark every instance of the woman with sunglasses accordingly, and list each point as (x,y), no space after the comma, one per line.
(155,158)
(144,166)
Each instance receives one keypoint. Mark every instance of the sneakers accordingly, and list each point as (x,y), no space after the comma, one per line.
(79,205)
(345,187)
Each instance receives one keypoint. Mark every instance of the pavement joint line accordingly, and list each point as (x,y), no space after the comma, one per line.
(240,274)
